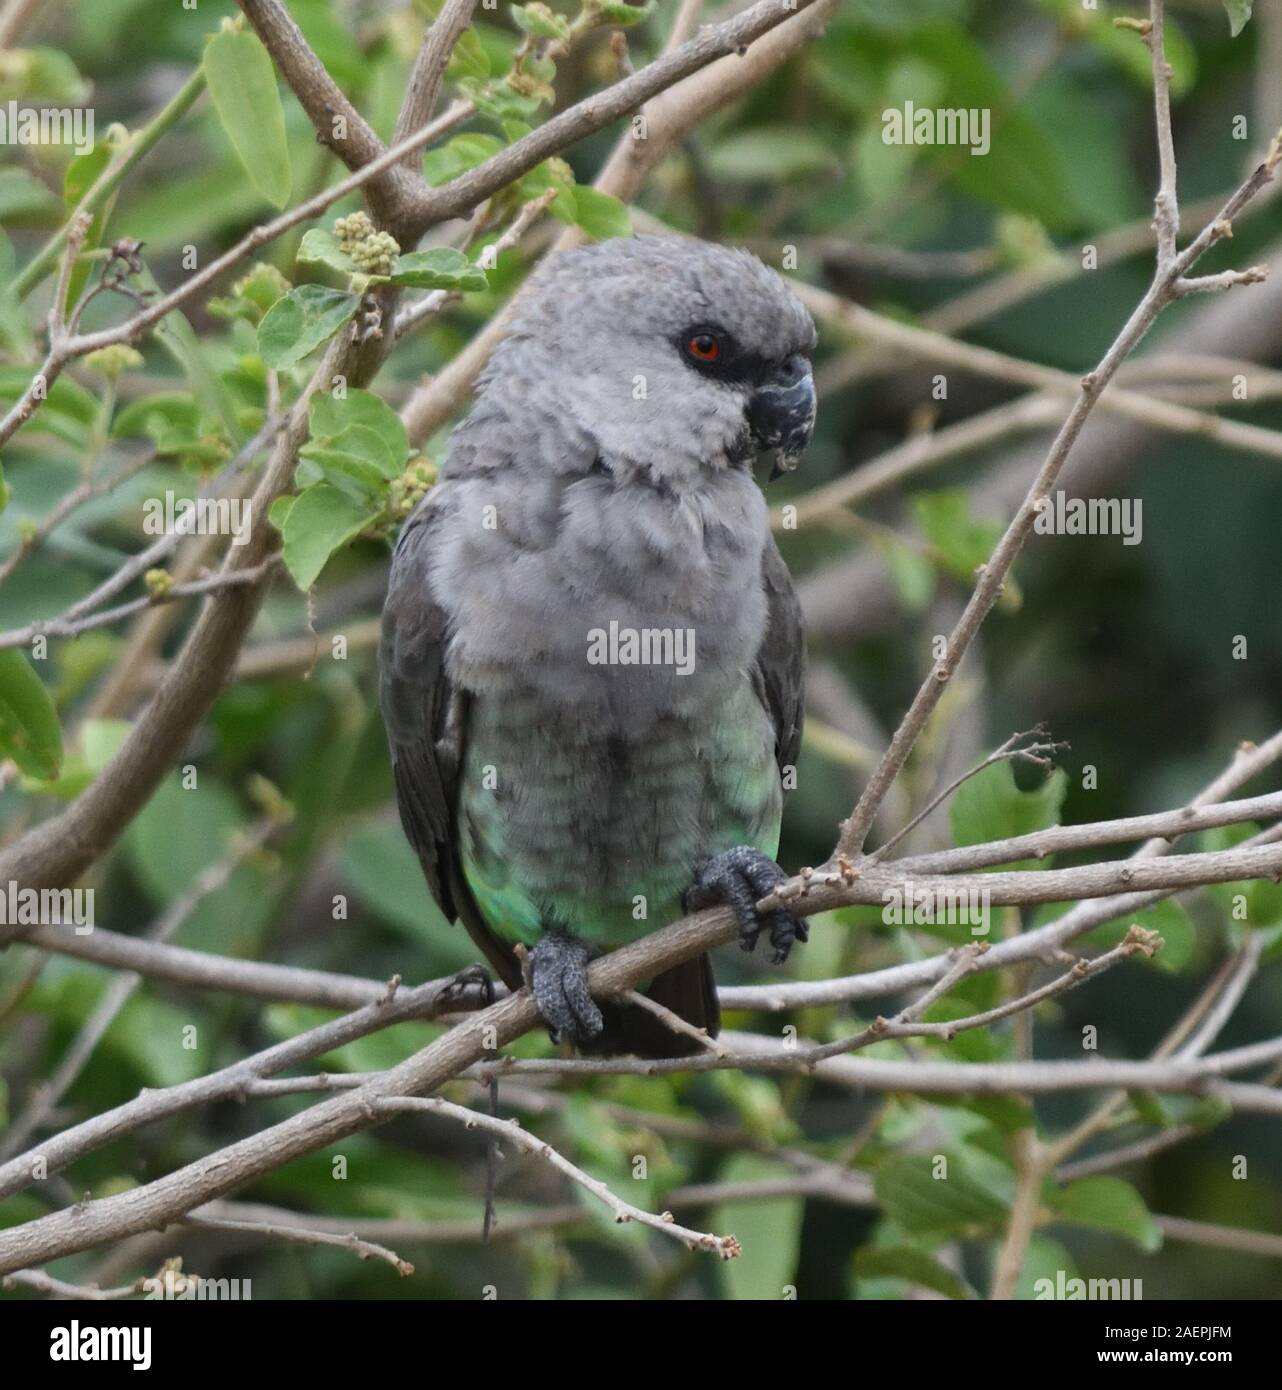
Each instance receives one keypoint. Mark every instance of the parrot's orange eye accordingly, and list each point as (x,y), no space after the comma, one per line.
(706,347)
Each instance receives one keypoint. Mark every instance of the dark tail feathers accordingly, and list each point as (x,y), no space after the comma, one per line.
(688,990)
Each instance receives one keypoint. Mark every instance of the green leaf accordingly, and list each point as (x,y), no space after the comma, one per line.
(458,155)
(181,208)
(383,871)
(962,542)
(989,806)
(1044,1263)
(1168,919)
(1239,13)
(319,247)
(909,1193)
(357,462)
(301,321)
(153,1036)
(252,295)
(441,268)
(23,195)
(44,73)
(280,509)
(29,730)
(912,573)
(168,418)
(319,522)
(620,13)
(176,335)
(1253,903)
(100,740)
(1151,1108)
(540,21)
(181,832)
(331,41)
(881,170)
(242,86)
(1020,170)
(1108,1204)
(907,1262)
(469,58)
(15,330)
(81,174)
(599,214)
(350,472)
(1005,1113)
(769,153)
(555,174)
(769,1231)
(329,417)
(498,100)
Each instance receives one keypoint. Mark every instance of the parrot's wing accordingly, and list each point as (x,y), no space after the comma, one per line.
(426,722)
(780,673)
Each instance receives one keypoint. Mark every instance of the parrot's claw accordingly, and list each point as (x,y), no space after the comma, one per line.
(470,977)
(737,878)
(559,983)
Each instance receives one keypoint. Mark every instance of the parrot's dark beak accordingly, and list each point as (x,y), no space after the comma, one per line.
(781,414)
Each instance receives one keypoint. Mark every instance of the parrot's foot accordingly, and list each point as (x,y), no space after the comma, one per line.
(737,878)
(460,985)
(559,982)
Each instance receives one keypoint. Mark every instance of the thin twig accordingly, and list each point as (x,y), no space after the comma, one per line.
(1037,753)
(725,1246)
(424,86)
(201,1220)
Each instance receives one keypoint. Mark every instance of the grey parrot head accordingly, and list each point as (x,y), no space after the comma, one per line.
(674,354)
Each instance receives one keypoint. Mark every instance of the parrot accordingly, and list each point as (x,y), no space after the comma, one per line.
(591,659)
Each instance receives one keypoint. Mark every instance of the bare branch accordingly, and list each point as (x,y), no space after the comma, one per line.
(510,1131)
(205,1220)
(40,1282)
(228,1083)
(429,69)
(1166,209)
(1221,1237)
(15,19)
(175,1194)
